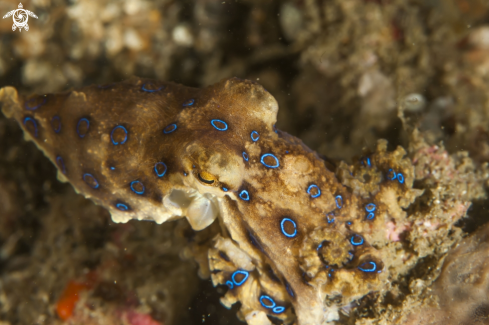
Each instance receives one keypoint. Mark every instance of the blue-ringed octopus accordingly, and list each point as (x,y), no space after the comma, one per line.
(298,240)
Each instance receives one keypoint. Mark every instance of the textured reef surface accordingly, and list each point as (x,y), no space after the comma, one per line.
(296,236)
(459,295)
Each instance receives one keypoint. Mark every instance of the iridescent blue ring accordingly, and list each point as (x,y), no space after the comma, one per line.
(143,87)
(33,121)
(84,119)
(366,160)
(278,309)
(61,164)
(277,164)
(246,275)
(160,174)
(188,103)
(339,201)
(400,178)
(86,178)
(265,297)
(356,240)
(225,189)
(391,171)
(370,216)
(370,207)
(229,284)
(122,206)
(373,267)
(170,128)
(245,156)
(330,217)
(244,195)
(224,128)
(112,135)
(27,107)
(56,128)
(310,188)
(141,192)
(319,246)
(289,289)
(292,235)
(255,136)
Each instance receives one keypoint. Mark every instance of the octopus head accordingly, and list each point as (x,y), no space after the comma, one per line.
(211,171)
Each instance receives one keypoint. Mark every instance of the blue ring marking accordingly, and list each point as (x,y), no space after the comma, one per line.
(278,309)
(27,107)
(319,246)
(58,128)
(270,155)
(150,90)
(87,175)
(218,128)
(170,128)
(255,136)
(188,103)
(61,164)
(225,189)
(400,178)
(355,237)
(185,174)
(112,168)
(391,171)
(229,284)
(330,217)
(370,207)
(272,303)
(134,190)
(289,290)
(370,216)
(122,206)
(160,174)
(84,119)
(246,275)
(275,129)
(31,119)
(366,161)
(372,268)
(244,195)
(339,201)
(112,135)
(245,156)
(349,223)
(283,229)
(310,188)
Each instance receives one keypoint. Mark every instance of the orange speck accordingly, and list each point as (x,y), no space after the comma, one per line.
(69,297)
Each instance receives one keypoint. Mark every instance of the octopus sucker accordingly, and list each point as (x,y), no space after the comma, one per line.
(294,235)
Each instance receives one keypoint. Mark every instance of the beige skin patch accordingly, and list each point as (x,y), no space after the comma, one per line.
(293,235)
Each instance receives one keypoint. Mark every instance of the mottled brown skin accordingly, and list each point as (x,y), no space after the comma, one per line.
(206,173)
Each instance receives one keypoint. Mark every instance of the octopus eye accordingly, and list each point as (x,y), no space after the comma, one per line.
(206,178)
